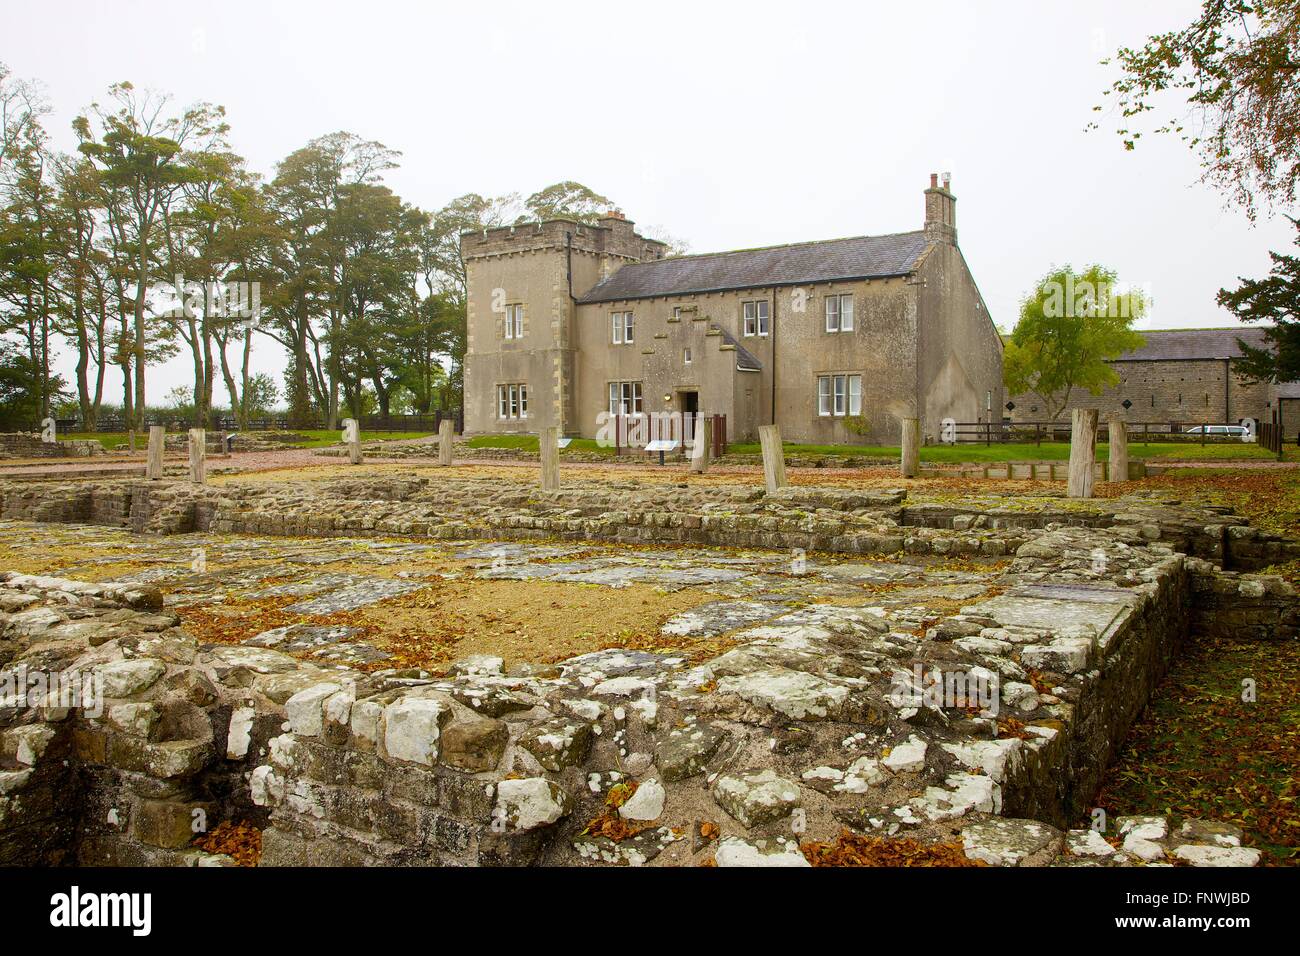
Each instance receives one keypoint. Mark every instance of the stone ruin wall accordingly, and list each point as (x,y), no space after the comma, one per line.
(30,445)
(832,520)
(485,766)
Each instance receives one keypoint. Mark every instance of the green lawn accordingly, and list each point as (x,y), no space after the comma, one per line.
(1021,451)
(966,452)
(1199,750)
(529,443)
(319,437)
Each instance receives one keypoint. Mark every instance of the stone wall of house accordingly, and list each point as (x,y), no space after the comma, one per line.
(539,266)
(922,345)
(959,364)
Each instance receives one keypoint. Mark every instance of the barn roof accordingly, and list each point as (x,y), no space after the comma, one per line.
(1181,345)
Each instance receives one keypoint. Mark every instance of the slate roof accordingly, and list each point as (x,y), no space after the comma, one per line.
(746,361)
(862,257)
(1173,345)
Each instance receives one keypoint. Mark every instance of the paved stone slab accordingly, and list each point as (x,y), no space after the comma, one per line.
(355,595)
(719,617)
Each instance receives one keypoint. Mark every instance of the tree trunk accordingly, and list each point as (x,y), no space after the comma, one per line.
(142,273)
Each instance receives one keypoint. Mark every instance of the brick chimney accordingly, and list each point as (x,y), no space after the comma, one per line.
(622,231)
(940,210)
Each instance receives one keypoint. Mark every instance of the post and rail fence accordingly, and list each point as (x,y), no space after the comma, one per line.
(1035,433)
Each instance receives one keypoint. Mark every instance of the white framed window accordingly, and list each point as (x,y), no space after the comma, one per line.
(622,324)
(755,315)
(686,357)
(839,395)
(512,400)
(515,321)
(625,398)
(677,312)
(839,313)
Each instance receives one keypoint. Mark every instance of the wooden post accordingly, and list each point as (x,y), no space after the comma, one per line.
(910,465)
(352,435)
(702,446)
(153,468)
(549,444)
(130,440)
(446,438)
(769,437)
(1083,452)
(198,456)
(1117,432)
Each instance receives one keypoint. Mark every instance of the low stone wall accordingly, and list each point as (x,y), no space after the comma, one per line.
(1243,607)
(30,445)
(809,518)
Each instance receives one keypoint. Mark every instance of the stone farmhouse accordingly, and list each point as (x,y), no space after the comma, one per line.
(835,341)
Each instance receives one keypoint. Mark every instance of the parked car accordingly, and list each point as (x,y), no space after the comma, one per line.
(1231,431)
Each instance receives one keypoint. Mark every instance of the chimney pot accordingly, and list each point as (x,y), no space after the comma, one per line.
(934,180)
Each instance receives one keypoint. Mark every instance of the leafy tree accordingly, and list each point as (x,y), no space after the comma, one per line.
(260,395)
(1237,68)
(82,271)
(27,229)
(1276,300)
(375,232)
(468,213)
(20,378)
(567,200)
(307,311)
(21,110)
(139,151)
(1069,327)
(215,234)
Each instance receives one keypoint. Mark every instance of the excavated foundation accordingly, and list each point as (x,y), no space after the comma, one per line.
(831,660)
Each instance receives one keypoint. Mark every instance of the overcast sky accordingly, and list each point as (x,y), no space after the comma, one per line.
(728,125)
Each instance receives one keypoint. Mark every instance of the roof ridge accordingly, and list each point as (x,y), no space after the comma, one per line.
(779,245)
(820,260)
(1203,328)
